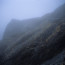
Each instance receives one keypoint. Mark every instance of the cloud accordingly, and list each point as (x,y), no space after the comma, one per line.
(25,9)
(22,9)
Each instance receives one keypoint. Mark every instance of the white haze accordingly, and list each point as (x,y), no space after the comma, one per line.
(24,9)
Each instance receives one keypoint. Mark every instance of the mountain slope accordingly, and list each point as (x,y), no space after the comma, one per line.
(43,43)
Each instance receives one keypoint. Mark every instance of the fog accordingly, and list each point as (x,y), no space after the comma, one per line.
(24,9)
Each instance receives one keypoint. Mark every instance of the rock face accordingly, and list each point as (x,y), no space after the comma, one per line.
(41,44)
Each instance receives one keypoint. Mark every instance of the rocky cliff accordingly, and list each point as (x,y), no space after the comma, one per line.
(39,45)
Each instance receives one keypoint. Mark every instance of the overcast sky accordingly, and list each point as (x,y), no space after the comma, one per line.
(25,9)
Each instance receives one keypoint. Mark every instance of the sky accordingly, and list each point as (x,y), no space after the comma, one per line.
(24,9)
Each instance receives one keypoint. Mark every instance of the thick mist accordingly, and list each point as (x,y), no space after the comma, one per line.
(24,9)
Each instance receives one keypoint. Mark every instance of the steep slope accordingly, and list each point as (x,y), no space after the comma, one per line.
(51,45)
(16,27)
(42,44)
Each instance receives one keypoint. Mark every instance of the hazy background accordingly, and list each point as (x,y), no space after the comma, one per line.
(25,9)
